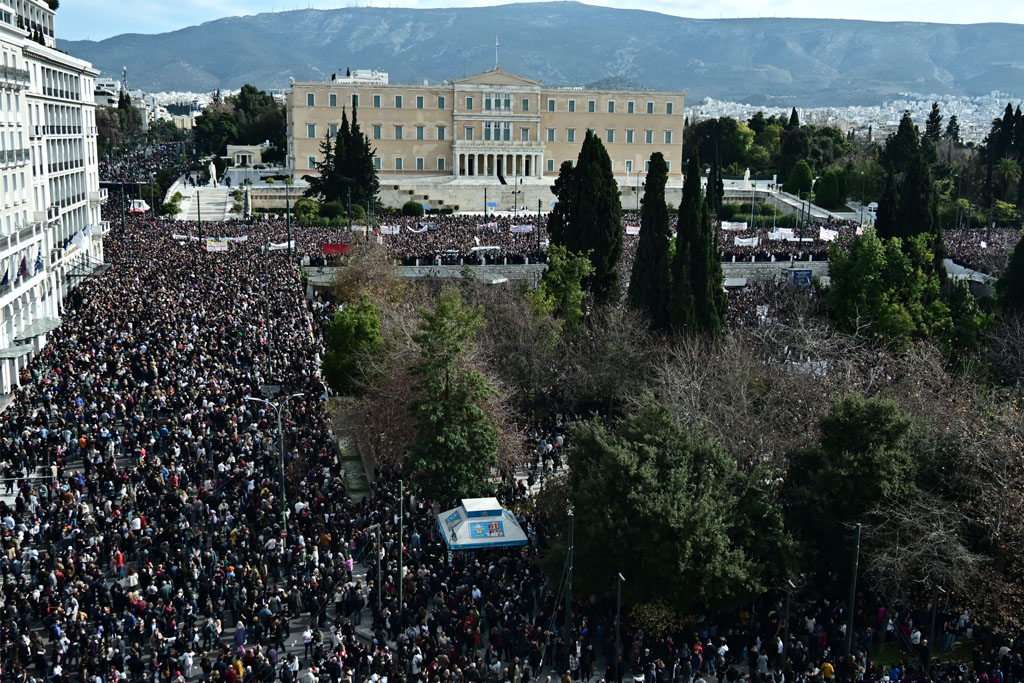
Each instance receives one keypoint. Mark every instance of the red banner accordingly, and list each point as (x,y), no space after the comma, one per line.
(337,249)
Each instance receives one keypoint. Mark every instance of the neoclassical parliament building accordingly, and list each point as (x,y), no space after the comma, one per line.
(494,125)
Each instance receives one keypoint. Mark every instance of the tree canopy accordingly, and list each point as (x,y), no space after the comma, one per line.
(650,489)
(456,443)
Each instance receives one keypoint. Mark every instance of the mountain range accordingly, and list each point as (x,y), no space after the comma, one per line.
(777,61)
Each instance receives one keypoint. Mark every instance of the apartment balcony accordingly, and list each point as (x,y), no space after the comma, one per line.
(14,78)
(51,214)
(97,197)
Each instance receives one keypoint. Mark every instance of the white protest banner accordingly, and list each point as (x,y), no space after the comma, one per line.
(280,246)
(826,235)
(521,228)
(216,245)
(389,229)
(632,229)
(746,241)
(734,226)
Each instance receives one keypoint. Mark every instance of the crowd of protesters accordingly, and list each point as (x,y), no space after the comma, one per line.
(144,540)
(982,249)
(140,164)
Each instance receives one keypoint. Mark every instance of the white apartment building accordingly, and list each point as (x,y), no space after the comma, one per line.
(50,228)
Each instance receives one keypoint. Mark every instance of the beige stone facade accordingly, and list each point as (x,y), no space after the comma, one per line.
(494,123)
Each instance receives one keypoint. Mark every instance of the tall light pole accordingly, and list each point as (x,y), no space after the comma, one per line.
(853,595)
(785,624)
(375,529)
(863,188)
(636,190)
(618,628)
(957,176)
(288,214)
(280,450)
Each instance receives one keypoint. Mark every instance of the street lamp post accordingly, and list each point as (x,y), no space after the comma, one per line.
(288,214)
(199,211)
(957,176)
(863,188)
(375,529)
(785,624)
(280,450)
(618,629)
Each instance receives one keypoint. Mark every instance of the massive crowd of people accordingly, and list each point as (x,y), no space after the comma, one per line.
(140,164)
(142,523)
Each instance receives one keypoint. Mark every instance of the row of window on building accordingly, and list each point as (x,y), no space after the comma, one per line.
(497,102)
(499,131)
(442,164)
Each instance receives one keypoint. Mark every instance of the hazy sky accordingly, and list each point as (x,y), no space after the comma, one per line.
(98,19)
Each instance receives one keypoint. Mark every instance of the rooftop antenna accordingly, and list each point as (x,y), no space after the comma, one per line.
(495,51)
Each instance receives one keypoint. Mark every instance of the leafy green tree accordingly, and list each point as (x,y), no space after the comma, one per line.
(650,281)
(650,489)
(412,208)
(887,286)
(1010,287)
(560,291)
(933,125)
(456,442)
(800,180)
(865,451)
(697,304)
(590,223)
(827,192)
(355,331)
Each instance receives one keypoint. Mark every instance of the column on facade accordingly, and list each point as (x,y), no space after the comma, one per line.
(515,163)
(537,172)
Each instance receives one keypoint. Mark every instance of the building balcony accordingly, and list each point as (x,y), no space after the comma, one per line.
(17,240)
(51,214)
(14,78)
(97,197)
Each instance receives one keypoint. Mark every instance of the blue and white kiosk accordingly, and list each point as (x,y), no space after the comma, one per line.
(480,523)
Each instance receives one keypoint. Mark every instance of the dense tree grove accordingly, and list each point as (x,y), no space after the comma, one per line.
(250,117)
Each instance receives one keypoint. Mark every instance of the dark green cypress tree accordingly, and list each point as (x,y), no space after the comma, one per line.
(344,158)
(682,304)
(365,183)
(712,301)
(561,214)
(697,304)
(794,120)
(320,185)
(595,224)
(909,203)
(1010,287)
(933,126)
(649,283)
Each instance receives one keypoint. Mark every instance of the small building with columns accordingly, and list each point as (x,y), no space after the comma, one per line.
(485,128)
